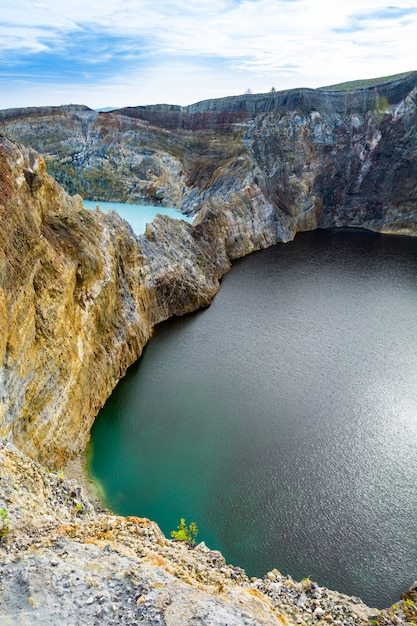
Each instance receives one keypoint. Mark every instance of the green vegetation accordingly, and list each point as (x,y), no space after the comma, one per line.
(78,508)
(4,523)
(307,583)
(410,610)
(356,84)
(185,533)
(404,612)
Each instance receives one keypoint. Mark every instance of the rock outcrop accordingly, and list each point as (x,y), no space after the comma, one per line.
(80,294)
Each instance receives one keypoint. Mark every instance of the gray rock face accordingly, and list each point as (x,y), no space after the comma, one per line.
(219,112)
(277,163)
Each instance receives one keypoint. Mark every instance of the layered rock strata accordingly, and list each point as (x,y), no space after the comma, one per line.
(273,163)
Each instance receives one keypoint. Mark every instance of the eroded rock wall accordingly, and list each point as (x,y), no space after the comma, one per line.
(269,164)
(67,312)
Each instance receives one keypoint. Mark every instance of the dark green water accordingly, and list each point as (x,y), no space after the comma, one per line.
(283,419)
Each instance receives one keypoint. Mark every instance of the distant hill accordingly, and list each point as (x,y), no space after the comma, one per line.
(367,82)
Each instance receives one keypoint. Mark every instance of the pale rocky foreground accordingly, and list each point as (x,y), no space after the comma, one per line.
(66,562)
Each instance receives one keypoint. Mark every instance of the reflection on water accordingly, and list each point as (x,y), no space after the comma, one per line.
(283,419)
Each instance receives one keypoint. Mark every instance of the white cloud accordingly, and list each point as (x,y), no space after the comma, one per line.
(247,43)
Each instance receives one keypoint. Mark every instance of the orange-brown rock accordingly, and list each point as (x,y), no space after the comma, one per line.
(79,294)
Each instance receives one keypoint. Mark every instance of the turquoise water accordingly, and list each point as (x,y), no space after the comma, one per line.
(137,215)
(283,418)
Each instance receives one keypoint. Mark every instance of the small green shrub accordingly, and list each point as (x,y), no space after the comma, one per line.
(185,533)
(78,508)
(4,523)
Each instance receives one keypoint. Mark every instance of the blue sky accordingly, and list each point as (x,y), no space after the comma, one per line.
(119,53)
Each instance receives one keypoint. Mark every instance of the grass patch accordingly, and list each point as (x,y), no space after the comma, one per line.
(357,84)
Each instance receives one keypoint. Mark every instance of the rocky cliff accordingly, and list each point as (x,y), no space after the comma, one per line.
(279,162)
(80,294)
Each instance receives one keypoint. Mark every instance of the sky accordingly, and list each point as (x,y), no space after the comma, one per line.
(114,53)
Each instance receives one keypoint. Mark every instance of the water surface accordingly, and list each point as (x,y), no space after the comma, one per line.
(136,214)
(283,419)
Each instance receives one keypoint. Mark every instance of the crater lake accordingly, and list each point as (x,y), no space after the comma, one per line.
(283,418)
